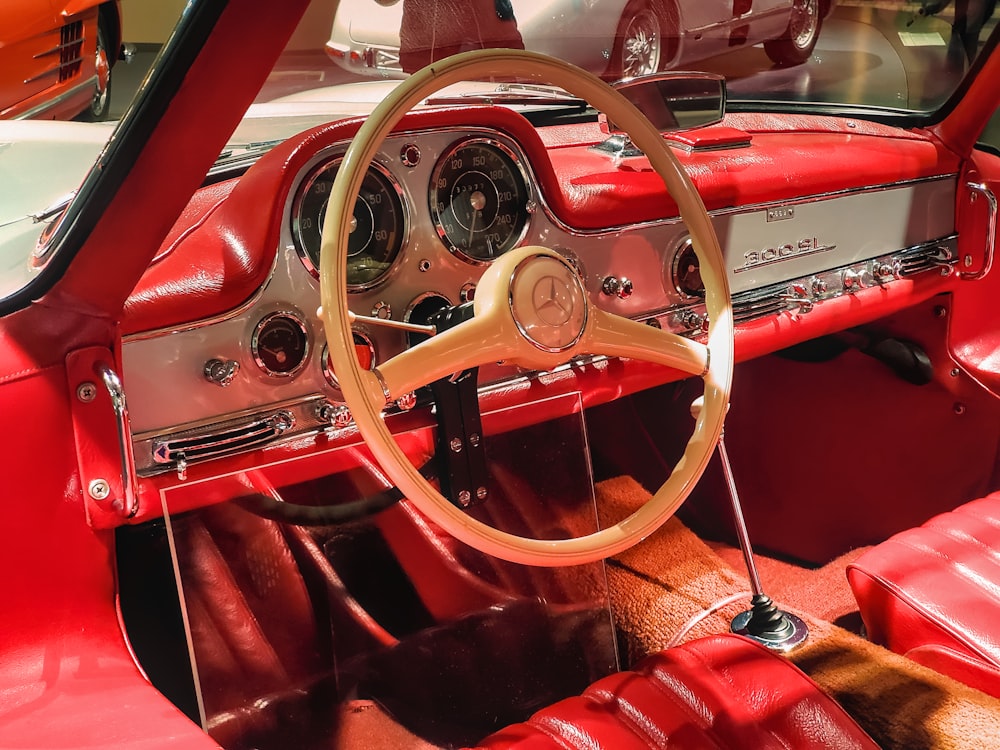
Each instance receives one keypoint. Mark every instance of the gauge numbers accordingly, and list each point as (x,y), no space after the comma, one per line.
(479,199)
(377,230)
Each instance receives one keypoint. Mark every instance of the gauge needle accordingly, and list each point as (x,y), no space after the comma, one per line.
(472,227)
(278,354)
(477,201)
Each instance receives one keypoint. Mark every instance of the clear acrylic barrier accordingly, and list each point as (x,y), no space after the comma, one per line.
(286,622)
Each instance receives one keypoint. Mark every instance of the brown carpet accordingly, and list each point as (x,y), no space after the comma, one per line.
(823,592)
(673,576)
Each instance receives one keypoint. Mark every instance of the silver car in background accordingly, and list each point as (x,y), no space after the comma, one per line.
(611,38)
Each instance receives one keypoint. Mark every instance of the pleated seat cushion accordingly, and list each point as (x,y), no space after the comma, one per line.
(933,593)
(716,692)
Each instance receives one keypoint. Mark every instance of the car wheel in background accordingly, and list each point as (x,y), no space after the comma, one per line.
(101,102)
(797,43)
(638,48)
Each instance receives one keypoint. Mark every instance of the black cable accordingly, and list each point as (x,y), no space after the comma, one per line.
(325,515)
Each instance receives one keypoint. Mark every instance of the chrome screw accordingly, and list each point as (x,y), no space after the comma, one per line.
(464,498)
(99,489)
(87,392)
(456,445)
(481,493)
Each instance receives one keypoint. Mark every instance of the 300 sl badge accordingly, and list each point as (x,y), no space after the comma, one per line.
(769,255)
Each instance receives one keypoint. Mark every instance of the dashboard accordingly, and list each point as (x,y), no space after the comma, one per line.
(452,191)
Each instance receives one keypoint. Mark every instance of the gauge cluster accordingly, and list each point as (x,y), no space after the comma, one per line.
(435,209)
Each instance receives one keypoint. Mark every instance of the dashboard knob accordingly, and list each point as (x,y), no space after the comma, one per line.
(884,273)
(617,287)
(407,401)
(855,280)
(221,372)
(337,415)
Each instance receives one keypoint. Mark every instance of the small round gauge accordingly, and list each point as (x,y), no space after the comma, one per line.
(685,271)
(479,199)
(378,226)
(365,350)
(280,344)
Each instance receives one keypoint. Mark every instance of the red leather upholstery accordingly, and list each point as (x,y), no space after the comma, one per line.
(718,692)
(933,592)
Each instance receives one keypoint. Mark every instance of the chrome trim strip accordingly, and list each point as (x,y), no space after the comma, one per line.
(49,104)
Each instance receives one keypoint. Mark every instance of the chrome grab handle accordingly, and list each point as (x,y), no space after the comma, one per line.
(980,188)
(130,502)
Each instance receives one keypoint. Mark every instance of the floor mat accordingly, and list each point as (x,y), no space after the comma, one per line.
(823,591)
(666,589)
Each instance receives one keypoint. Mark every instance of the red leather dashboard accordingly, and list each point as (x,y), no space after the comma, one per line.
(231,241)
(222,248)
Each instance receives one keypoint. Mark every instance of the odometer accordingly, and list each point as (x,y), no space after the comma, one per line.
(479,199)
(377,225)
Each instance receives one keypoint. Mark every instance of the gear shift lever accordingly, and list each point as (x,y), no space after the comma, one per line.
(763,622)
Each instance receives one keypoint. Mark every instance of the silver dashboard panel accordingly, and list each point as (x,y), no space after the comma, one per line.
(164,370)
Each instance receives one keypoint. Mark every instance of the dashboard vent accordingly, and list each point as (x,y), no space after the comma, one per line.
(753,305)
(924,258)
(230,438)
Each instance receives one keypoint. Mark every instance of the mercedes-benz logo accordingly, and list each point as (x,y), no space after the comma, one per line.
(553,300)
(548,302)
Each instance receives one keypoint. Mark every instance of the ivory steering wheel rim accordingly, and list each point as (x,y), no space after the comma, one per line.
(368,391)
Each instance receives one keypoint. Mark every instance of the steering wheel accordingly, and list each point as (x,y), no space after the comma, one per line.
(531,309)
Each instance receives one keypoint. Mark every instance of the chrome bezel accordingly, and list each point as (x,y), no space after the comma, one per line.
(422,297)
(519,170)
(296,208)
(300,324)
(675,259)
(327,366)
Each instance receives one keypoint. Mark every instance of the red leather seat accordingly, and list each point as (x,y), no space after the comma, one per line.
(933,593)
(722,691)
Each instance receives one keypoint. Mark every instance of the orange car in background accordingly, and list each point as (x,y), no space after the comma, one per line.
(56,58)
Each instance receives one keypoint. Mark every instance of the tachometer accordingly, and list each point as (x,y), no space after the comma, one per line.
(479,199)
(378,227)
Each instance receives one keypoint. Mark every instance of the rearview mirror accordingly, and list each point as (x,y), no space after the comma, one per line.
(675,100)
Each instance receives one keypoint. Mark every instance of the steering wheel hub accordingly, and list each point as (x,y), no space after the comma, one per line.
(548,302)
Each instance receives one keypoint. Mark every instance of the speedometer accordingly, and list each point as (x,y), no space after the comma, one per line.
(479,199)
(378,225)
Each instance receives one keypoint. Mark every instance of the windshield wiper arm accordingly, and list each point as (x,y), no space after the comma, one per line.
(237,152)
(512,94)
(54,209)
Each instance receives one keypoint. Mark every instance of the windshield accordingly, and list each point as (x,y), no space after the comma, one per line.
(870,53)
(897,62)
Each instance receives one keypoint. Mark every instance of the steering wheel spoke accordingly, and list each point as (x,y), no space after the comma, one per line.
(620,337)
(467,345)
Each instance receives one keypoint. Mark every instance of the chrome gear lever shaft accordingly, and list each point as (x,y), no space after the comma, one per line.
(763,622)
